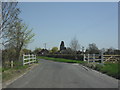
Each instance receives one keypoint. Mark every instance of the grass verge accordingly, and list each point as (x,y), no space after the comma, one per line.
(10,73)
(110,69)
(0,69)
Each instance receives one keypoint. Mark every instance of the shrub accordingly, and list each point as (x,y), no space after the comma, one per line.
(98,67)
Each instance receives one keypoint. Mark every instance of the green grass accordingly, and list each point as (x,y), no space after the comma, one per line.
(0,69)
(9,73)
(0,73)
(17,65)
(111,69)
(18,69)
(61,60)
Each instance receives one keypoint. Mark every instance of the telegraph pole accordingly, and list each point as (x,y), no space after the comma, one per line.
(45,45)
(102,57)
(82,48)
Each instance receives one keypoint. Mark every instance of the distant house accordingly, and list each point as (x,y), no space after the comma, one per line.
(43,52)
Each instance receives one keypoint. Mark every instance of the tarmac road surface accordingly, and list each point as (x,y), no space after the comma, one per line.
(50,74)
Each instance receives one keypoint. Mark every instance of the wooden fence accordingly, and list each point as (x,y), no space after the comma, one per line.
(93,58)
(100,58)
(27,59)
(111,58)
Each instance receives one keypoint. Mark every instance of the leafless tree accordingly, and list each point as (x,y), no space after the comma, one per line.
(74,44)
(20,38)
(9,16)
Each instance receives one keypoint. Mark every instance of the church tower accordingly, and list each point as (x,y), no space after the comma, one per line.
(62,46)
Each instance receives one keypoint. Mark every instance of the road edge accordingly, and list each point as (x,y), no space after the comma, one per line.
(5,84)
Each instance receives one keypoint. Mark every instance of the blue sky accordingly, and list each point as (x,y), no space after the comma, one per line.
(89,22)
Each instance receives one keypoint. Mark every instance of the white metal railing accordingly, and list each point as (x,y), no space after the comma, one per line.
(27,59)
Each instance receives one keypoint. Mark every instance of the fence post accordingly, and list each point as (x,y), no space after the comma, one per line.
(29,58)
(23,59)
(11,64)
(102,57)
(88,58)
(84,57)
(32,57)
(93,57)
(35,58)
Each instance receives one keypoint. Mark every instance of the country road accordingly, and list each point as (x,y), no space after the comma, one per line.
(50,74)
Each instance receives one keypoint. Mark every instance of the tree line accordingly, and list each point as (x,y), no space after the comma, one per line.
(74,51)
(75,48)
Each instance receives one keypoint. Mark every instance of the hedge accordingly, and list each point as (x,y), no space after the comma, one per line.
(66,56)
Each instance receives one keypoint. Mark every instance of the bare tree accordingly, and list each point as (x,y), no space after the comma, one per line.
(74,44)
(9,15)
(20,38)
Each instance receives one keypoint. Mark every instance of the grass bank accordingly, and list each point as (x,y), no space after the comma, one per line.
(0,69)
(111,69)
(11,73)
